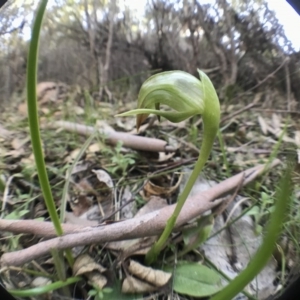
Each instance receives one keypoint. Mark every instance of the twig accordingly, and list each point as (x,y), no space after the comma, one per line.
(113,137)
(283,111)
(270,75)
(253,104)
(147,225)
(288,87)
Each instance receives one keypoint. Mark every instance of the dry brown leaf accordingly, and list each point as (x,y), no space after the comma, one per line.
(40,281)
(129,208)
(45,111)
(80,205)
(104,177)
(96,147)
(96,279)
(151,188)
(263,125)
(100,124)
(276,121)
(157,278)
(297,138)
(162,156)
(15,153)
(91,194)
(4,133)
(179,125)
(17,143)
(79,111)
(72,156)
(132,285)
(22,109)
(85,264)
(126,124)
(49,91)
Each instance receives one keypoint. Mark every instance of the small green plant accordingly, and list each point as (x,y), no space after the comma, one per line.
(121,161)
(100,294)
(193,132)
(188,97)
(263,209)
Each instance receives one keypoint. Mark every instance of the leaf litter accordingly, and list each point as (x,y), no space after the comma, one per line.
(153,182)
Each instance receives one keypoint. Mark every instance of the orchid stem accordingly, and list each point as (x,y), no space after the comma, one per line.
(208,139)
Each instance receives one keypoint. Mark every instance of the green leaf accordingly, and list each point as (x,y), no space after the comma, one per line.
(253,211)
(115,293)
(196,280)
(92,292)
(197,236)
(16,215)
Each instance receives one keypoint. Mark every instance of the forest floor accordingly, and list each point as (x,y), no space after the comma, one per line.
(94,182)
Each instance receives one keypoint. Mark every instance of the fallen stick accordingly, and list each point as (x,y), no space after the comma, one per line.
(113,137)
(37,228)
(148,225)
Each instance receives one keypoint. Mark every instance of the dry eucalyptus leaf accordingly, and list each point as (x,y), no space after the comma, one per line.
(49,91)
(128,206)
(17,143)
(126,123)
(104,177)
(297,138)
(81,205)
(85,264)
(79,111)
(72,156)
(96,279)
(100,124)
(160,186)
(96,147)
(239,246)
(91,192)
(22,109)
(164,156)
(14,153)
(276,121)
(40,281)
(263,125)
(81,167)
(132,285)
(179,125)
(157,278)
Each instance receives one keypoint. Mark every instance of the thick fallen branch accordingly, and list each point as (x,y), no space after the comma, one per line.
(147,225)
(113,137)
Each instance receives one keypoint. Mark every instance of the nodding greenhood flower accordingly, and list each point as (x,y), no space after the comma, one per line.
(182,92)
(186,96)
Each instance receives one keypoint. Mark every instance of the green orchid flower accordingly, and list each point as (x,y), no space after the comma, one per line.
(187,96)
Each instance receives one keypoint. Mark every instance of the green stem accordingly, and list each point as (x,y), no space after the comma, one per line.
(208,140)
(265,251)
(33,117)
(44,289)
(34,123)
